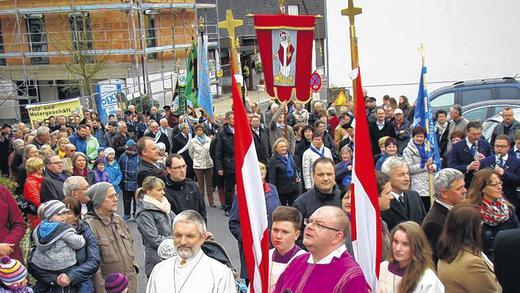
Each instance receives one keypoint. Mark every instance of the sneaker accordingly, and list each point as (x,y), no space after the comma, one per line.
(126,218)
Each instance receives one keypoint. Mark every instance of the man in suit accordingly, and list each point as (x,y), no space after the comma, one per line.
(407,205)
(156,135)
(180,146)
(515,150)
(261,138)
(378,129)
(449,191)
(466,155)
(507,258)
(442,131)
(166,129)
(508,167)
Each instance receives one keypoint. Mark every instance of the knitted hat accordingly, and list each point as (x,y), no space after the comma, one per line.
(51,208)
(116,283)
(99,149)
(12,271)
(166,249)
(130,143)
(109,151)
(98,161)
(98,192)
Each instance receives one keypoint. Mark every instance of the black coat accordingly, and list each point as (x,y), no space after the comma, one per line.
(185,196)
(507,258)
(412,211)
(262,145)
(163,138)
(52,187)
(298,153)
(489,233)
(225,151)
(279,178)
(443,140)
(120,142)
(376,134)
(433,224)
(145,169)
(460,157)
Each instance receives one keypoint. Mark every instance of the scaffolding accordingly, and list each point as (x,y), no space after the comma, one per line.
(146,53)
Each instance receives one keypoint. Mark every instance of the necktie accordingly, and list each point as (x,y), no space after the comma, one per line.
(401,200)
(473,149)
(501,162)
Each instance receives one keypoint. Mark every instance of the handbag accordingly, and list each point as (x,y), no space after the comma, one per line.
(27,207)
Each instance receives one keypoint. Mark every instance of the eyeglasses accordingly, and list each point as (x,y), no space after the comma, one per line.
(308,222)
(501,146)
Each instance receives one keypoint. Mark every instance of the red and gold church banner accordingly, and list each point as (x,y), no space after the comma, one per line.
(285,43)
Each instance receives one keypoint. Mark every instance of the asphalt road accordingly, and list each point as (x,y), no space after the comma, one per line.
(217,224)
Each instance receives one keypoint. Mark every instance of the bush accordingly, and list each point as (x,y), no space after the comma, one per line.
(144,103)
(8,183)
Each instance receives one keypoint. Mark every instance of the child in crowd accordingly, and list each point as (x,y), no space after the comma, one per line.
(116,283)
(100,174)
(101,152)
(112,167)
(128,162)
(56,242)
(13,276)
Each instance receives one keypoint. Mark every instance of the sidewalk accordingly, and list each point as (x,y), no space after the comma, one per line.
(224,102)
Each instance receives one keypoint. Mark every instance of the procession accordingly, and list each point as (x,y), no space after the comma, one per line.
(220,146)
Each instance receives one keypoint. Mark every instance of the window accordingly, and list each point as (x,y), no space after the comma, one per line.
(151,39)
(443,101)
(473,96)
(2,60)
(81,35)
(37,37)
(509,92)
(293,9)
(479,114)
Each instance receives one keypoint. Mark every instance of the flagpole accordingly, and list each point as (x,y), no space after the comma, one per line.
(351,11)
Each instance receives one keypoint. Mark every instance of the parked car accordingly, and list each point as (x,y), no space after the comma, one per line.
(491,123)
(465,93)
(483,110)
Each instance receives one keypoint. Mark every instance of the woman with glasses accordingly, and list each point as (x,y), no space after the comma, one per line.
(496,213)
(463,267)
(410,268)
(80,167)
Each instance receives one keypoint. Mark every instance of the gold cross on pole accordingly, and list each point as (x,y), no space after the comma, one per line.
(230,24)
(422,49)
(351,11)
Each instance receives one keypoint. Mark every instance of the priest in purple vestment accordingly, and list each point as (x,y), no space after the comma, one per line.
(328,267)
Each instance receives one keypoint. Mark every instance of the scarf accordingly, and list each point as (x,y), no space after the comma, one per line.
(77,172)
(266,186)
(320,152)
(163,204)
(422,153)
(495,212)
(201,139)
(287,162)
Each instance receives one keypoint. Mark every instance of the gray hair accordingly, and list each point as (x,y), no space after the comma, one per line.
(182,126)
(391,163)
(121,124)
(18,143)
(42,130)
(444,178)
(191,216)
(71,184)
(27,148)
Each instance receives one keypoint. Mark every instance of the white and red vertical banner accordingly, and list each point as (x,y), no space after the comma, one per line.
(285,43)
(251,199)
(366,220)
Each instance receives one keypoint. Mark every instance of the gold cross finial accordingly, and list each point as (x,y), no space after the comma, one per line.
(230,24)
(422,49)
(351,11)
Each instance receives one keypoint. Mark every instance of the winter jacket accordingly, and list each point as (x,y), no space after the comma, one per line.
(116,247)
(418,175)
(185,196)
(500,130)
(199,153)
(301,116)
(225,151)
(120,142)
(12,224)
(92,147)
(88,260)
(52,186)
(99,134)
(154,226)
(262,144)
(145,169)
(402,133)
(31,192)
(489,233)
(309,156)
(80,143)
(56,244)
(343,174)
(128,165)
(109,138)
(114,174)
(279,178)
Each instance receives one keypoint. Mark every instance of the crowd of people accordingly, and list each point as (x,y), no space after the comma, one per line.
(448,227)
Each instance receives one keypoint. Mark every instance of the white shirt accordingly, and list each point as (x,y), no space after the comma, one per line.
(469,144)
(200,274)
(308,158)
(326,260)
(397,196)
(449,207)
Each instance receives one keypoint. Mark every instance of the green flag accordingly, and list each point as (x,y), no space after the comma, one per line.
(191,76)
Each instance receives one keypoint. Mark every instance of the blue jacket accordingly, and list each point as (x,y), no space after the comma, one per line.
(511,176)
(80,143)
(114,174)
(128,165)
(460,157)
(99,134)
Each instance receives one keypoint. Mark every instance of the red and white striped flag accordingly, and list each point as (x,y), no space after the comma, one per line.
(251,199)
(366,221)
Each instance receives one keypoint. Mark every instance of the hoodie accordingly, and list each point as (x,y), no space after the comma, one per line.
(56,244)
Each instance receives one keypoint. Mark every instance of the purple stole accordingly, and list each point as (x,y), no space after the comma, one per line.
(341,275)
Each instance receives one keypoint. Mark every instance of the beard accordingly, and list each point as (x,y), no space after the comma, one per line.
(186,252)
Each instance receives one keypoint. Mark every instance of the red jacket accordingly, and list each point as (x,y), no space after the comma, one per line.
(31,192)
(12,225)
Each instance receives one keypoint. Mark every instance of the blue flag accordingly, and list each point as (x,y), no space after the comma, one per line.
(423,117)
(204,97)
